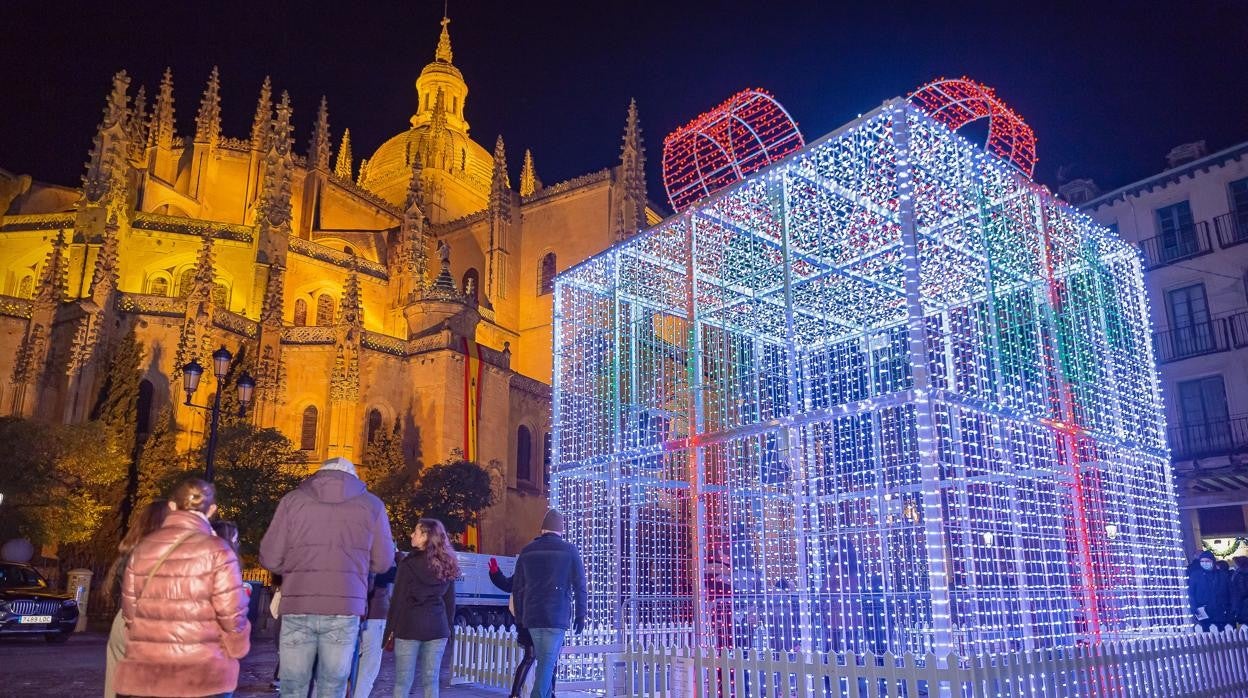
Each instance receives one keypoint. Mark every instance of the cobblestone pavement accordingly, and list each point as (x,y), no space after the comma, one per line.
(33,668)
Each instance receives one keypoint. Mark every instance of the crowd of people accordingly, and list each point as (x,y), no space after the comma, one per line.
(1218,593)
(345,596)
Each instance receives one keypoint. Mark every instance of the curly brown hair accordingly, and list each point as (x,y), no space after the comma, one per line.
(438,547)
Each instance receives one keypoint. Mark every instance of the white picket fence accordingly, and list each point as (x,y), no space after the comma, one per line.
(489,656)
(1175,664)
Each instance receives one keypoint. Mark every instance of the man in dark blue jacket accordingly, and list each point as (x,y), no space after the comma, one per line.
(1209,593)
(549,578)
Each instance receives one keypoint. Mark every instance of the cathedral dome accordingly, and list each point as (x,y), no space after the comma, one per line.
(457,165)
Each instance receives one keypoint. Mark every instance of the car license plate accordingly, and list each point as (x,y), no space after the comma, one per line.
(35,620)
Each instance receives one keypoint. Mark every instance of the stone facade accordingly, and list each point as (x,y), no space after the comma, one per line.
(352,292)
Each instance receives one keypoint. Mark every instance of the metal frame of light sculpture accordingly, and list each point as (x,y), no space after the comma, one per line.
(746,133)
(886,395)
(957,102)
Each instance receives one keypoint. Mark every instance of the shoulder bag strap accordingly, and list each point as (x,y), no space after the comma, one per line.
(161,561)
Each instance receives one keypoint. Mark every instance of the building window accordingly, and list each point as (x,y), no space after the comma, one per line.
(471,284)
(1238,194)
(1177,232)
(546,274)
(463,159)
(1204,425)
(26,287)
(158,286)
(301,312)
(1191,329)
(455,105)
(325,310)
(143,420)
(524,454)
(307,432)
(374,424)
(348,249)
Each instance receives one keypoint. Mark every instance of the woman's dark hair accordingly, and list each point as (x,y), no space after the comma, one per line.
(149,519)
(193,494)
(228,532)
(438,547)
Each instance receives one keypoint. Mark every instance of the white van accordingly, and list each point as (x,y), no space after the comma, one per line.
(477,600)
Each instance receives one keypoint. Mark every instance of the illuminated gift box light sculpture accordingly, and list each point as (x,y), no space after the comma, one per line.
(887,394)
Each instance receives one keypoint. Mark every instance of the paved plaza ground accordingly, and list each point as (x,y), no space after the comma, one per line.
(33,668)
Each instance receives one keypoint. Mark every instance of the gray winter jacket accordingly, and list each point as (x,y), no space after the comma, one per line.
(325,539)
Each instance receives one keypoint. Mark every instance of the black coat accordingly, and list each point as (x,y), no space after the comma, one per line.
(549,576)
(1212,590)
(503,582)
(423,607)
(1239,596)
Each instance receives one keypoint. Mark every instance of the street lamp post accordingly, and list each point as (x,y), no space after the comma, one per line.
(191,373)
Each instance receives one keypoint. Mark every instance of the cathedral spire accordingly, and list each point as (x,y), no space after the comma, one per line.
(274,207)
(318,148)
(437,142)
(632,176)
(352,311)
(160,132)
(415,201)
(271,308)
(54,278)
(262,121)
(500,185)
(342,168)
(529,183)
(443,53)
(105,179)
(205,274)
(137,125)
(104,276)
(363,175)
(208,119)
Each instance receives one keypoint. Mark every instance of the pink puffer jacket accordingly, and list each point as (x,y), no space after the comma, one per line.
(187,631)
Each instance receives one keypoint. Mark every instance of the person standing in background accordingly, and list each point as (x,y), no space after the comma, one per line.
(422,610)
(549,596)
(150,519)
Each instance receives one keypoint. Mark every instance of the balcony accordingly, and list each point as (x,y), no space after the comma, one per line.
(1186,243)
(1209,439)
(1232,228)
(1194,340)
(1239,329)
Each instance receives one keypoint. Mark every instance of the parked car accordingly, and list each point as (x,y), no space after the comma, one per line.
(29,607)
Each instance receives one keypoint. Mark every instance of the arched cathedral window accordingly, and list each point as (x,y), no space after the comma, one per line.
(524,454)
(301,312)
(307,432)
(546,274)
(374,424)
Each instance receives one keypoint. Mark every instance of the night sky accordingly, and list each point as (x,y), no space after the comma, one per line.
(1108,87)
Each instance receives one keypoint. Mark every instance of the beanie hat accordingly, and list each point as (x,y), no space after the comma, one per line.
(1206,556)
(553,521)
(340,464)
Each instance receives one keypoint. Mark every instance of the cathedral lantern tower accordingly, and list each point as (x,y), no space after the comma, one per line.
(457,169)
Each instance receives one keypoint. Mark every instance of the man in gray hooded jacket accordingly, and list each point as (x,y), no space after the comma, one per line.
(326,538)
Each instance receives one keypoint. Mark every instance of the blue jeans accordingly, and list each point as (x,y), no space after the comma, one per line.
(547,644)
(406,654)
(370,657)
(328,642)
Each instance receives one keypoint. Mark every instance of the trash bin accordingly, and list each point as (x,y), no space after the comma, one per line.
(79,584)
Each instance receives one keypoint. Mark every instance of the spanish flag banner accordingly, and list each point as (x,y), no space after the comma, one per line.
(472,398)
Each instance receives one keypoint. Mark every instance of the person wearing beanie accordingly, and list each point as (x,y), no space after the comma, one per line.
(327,538)
(549,597)
(1209,594)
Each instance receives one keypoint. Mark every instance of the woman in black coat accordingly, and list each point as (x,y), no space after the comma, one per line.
(523,637)
(421,611)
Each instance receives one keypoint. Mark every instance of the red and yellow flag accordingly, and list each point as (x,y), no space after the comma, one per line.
(472,398)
